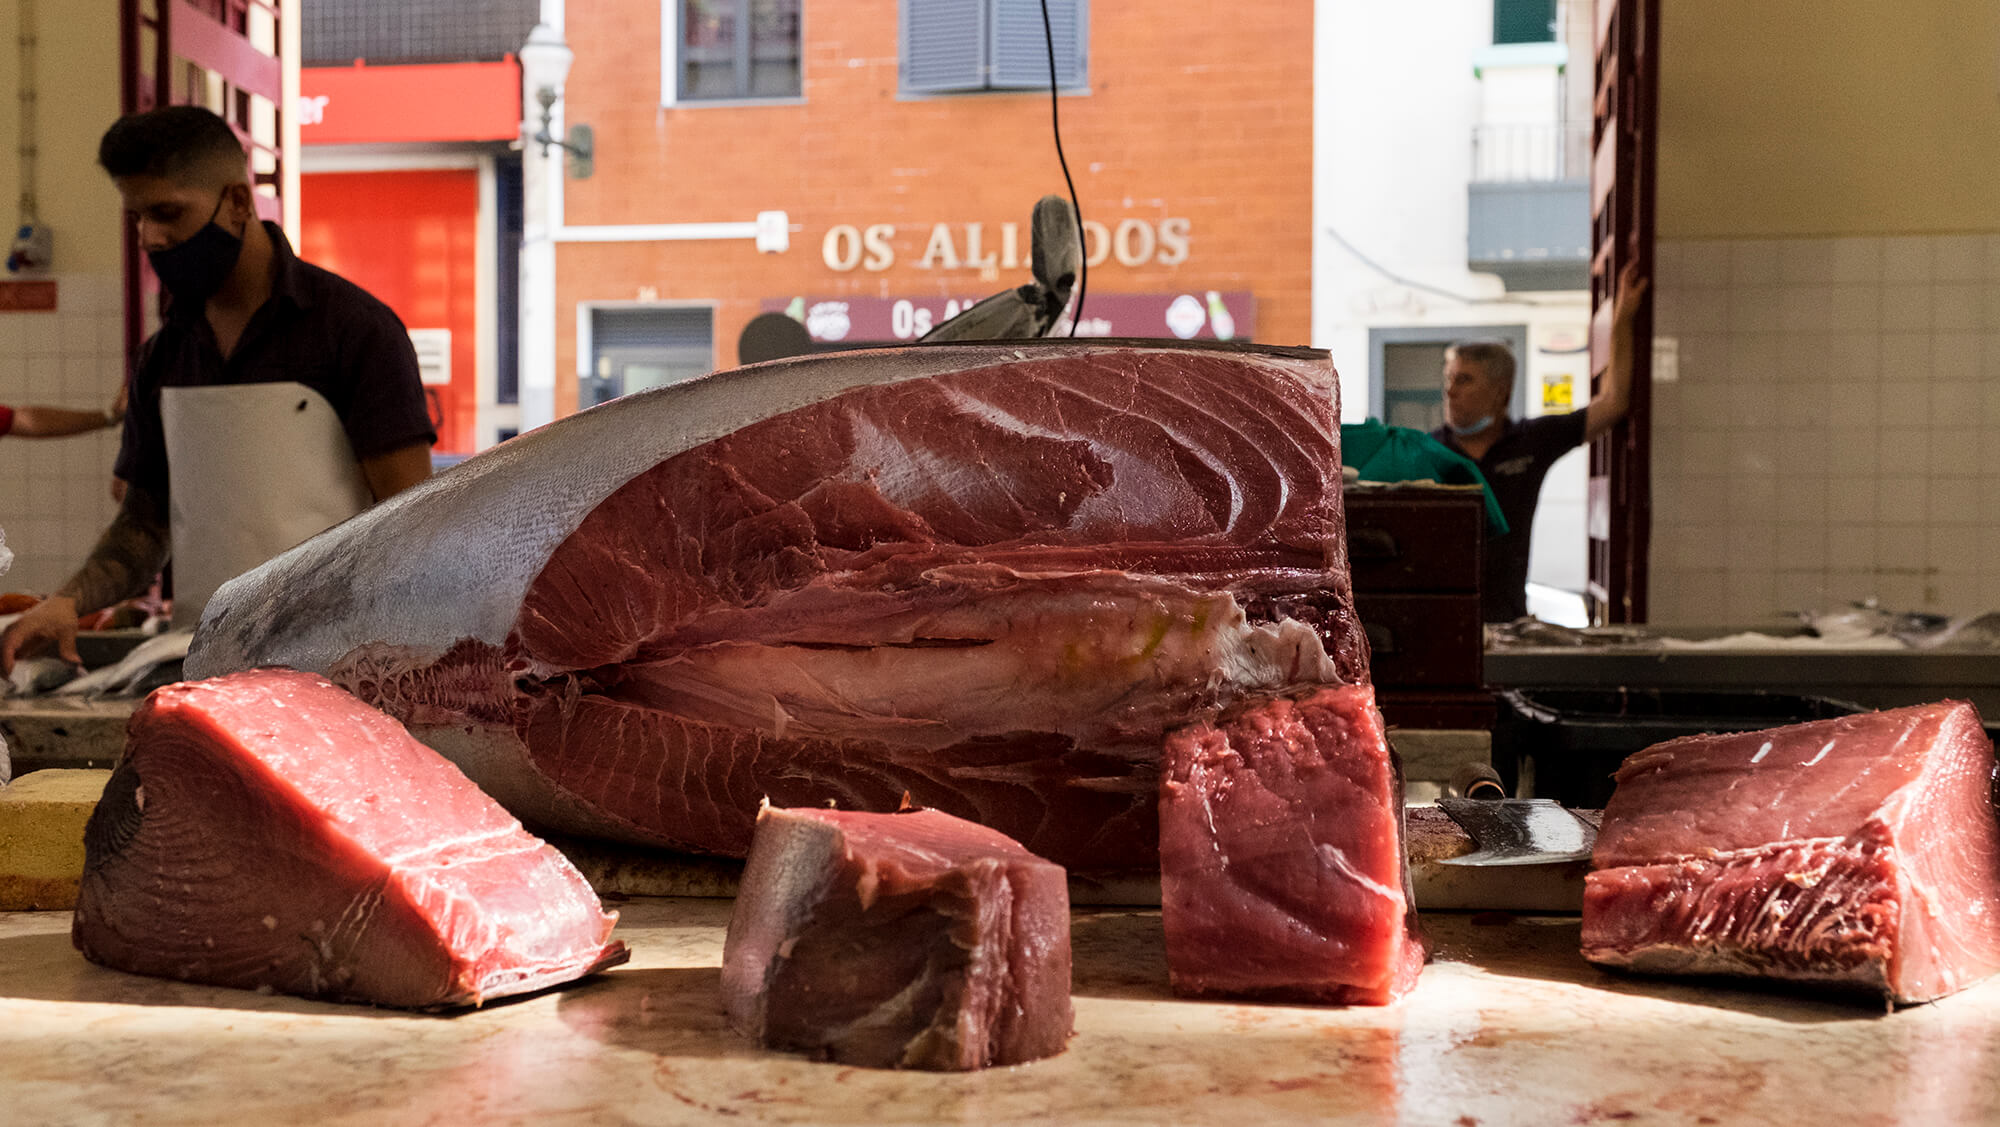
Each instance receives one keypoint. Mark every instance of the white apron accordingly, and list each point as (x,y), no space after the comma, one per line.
(253,469)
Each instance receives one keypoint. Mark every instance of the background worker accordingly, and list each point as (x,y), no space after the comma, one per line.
(1515,454)
(277,399)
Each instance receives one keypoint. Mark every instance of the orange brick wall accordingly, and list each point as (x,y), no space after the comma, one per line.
(1199,110)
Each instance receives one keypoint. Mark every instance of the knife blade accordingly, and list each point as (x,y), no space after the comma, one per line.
(1519,831)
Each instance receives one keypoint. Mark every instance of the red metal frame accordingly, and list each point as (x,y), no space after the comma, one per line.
(161,39)
(1624,138)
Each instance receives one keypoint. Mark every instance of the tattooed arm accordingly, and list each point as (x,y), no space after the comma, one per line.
(122,565)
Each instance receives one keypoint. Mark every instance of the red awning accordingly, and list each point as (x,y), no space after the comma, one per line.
(425,102)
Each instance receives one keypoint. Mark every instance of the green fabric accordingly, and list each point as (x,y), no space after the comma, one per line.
(1386,453)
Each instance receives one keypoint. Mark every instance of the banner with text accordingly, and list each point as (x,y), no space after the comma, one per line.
(1194,315)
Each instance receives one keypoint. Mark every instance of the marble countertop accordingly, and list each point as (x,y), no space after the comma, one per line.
(1508,1026)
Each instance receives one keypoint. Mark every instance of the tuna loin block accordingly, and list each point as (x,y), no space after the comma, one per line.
(910,940)
(267,830)
(1859,852)
(1282,871)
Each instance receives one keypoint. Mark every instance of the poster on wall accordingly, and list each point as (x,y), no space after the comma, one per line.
(1190,315)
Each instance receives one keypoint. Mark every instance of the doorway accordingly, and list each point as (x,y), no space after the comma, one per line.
(634,348)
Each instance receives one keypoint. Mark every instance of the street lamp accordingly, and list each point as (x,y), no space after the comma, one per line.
(545,63)
(577,143)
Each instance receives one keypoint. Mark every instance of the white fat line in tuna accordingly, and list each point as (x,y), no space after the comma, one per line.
(1821,755)
(1761,752)
(433,850)
(1335,856)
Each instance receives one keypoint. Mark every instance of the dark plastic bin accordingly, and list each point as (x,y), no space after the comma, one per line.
(1574,739)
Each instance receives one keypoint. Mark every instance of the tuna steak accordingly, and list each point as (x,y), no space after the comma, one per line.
(908,940)
(1860,852)
(268,831)
(991,577)
(1282,869)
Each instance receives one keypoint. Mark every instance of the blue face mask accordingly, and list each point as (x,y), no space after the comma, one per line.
(1473,427)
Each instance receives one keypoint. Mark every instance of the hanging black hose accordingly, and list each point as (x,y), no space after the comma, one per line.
(1055,121)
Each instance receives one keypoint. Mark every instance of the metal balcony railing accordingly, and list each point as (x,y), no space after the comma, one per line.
(1516,154)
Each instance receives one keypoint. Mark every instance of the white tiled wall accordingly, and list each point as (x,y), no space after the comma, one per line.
(1834,433)
(55,492)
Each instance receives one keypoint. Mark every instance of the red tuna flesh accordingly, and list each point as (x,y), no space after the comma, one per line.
(990,577)
(266,830)
(1860,852)
(1282,868)
(908,940)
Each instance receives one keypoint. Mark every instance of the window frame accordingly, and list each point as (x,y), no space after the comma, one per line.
(586,334)
(671,31)
(904,91)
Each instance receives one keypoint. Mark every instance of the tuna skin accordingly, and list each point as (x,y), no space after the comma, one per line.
(1860,853)
(1283,870)
(907,940)
(267,831)
(992,578)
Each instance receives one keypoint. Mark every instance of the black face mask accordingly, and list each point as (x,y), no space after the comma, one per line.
(193,269)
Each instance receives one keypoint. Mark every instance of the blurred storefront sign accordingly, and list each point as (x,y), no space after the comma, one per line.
(428,102)
(1191,315)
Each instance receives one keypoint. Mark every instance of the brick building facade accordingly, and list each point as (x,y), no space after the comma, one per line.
(1189,138)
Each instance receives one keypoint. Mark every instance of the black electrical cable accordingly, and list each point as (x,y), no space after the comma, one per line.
(1055,122)
(1510,299)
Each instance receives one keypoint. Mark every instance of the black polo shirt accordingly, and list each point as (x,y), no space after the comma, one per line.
(1515,468)
(317,329)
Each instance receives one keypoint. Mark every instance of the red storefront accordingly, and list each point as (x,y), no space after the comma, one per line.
(399,194)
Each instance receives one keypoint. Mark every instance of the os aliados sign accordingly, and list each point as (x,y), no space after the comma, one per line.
(977,246)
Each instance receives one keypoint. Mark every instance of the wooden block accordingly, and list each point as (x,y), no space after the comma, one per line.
(41,837)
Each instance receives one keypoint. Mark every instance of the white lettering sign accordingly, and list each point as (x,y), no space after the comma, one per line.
(906,320)
(940,249)
(1132,242)
(841,249)
(876,241)
(1173,241)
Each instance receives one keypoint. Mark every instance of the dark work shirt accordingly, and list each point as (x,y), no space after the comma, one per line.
(317,329)
(1515,468)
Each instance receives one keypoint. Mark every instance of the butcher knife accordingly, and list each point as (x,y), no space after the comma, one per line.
(1519,831)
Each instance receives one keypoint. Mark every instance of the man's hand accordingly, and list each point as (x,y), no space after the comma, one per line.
(122,565)
(1625,304)
(51,620)
(1615,395)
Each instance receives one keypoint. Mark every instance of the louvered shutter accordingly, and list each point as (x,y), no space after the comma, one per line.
(944,45)
(668,345)
(1018,55)
(651,330)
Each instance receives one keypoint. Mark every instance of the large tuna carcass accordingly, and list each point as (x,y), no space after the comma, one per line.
(987,576)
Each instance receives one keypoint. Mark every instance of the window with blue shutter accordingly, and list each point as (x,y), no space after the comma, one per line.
(952,46)
(944,45)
